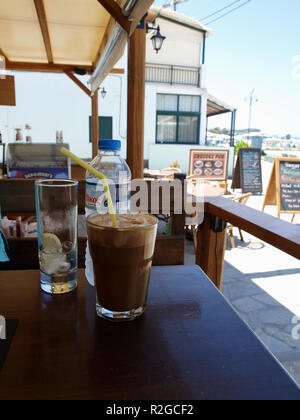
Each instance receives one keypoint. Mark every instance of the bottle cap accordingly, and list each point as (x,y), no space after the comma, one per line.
(109,144)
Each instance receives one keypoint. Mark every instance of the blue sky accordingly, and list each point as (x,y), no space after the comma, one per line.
(256,47)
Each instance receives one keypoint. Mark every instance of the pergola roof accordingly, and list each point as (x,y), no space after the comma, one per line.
(75,29)
(216,106)
(52,31)
(58,35)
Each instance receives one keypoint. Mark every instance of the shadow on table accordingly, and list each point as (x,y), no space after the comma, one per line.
(131,352)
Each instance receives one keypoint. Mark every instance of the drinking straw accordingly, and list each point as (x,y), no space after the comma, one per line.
(97,174)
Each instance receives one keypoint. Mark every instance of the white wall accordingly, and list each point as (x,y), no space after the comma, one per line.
(50,102)
(182,45)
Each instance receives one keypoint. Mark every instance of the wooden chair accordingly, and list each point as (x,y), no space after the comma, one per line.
(242,199)
(17,198)
(171,172)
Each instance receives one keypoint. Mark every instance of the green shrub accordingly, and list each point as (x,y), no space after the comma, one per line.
(241,145)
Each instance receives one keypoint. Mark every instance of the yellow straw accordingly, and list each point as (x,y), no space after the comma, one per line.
(97,174)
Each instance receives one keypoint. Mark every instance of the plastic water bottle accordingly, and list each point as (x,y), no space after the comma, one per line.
(109,162)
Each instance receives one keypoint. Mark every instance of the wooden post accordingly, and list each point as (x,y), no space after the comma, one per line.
(95,123)
(211,245)
(136,102)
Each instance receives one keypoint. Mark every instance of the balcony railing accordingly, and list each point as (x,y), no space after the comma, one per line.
(173,75)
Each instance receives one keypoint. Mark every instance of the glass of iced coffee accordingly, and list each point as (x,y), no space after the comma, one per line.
(122,260)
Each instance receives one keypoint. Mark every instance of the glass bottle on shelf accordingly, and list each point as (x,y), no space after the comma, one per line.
(19,135)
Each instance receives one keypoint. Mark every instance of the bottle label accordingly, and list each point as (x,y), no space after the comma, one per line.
(96,198)
(90,196)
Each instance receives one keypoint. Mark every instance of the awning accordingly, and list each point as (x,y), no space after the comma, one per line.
(216,106)
(52,31)
(58,35)
(134,10)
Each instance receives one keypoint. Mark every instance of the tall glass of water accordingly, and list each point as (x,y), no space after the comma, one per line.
(56,210)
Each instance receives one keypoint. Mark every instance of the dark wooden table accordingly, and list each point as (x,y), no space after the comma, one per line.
(190,344)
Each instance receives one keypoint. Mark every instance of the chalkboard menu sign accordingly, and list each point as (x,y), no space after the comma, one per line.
(247,174)
(289,186)
(284,186)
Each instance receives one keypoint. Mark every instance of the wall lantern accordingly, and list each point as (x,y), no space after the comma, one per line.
(157,39)
(103,92)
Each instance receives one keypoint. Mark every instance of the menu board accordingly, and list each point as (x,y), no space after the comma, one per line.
(289,173)
(251,175)
(209,164)
(284,186)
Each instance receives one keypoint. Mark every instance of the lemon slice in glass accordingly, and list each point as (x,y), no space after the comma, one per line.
(49,240)
(52,259)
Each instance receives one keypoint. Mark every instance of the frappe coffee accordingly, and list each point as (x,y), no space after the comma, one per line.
(122,259)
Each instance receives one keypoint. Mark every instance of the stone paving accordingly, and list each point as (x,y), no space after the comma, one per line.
(263,285)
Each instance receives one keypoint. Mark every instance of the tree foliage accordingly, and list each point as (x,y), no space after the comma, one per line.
(218,130)
(241,145)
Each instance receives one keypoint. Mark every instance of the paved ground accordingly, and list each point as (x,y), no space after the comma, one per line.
(263,285)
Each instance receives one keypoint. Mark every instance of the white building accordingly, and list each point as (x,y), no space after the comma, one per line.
(177,100)
(176,109)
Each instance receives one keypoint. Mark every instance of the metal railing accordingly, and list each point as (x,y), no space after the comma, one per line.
(173,75)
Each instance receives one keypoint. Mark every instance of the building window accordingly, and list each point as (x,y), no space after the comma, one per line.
(178,119)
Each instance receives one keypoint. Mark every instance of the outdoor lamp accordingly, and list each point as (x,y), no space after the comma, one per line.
(157,39)
(103,92)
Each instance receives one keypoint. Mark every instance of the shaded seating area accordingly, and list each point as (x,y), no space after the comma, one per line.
(24,251)
(190,344)
(210,237)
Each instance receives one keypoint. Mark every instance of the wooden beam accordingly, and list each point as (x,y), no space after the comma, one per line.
(4,55)
(45,67)
(278,233)
(78,82)
(117,13)
(105,38)
(95,123)
(117,70)
(211,245)
(210,251)
(136,102)
(54,68)
(151,16)
(41,12)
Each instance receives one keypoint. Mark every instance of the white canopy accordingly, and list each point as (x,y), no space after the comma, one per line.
(58,35)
